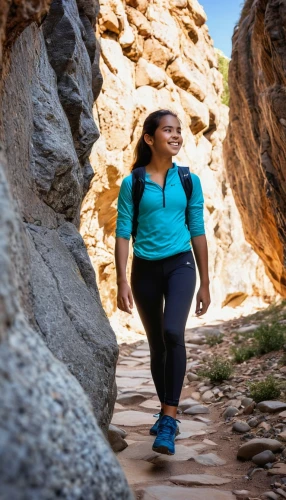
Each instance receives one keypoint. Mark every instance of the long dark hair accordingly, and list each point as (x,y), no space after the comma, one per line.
(142,152)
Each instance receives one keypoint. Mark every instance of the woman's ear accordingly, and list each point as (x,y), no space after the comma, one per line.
(148,139)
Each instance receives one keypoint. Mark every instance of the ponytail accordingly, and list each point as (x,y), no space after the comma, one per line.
(142,152)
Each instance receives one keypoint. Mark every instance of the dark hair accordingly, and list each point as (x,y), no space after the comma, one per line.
(142,152)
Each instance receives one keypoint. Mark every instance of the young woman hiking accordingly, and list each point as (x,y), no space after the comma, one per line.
(163,273)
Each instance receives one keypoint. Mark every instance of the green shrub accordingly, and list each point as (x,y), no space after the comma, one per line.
(223,67)
(242,354)
(213,340)
(265,390)
(217,370)
(270,337)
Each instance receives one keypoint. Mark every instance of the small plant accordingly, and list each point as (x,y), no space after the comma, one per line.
(265,390)
(270,337)
(213,340)
(242,354)
(217,370)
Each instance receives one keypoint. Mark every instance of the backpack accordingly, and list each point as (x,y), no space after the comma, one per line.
(138,185)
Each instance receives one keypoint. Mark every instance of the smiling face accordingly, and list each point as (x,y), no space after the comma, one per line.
(167,140)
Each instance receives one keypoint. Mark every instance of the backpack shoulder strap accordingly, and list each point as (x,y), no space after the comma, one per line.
(138,185)
(186,180)
(187,183)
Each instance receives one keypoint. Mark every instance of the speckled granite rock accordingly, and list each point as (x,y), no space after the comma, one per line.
(50,443)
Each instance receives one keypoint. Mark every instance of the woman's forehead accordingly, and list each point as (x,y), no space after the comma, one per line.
(169,120)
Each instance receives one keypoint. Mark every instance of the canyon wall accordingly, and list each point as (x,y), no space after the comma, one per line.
(57,349)
(159,54)
(255,147)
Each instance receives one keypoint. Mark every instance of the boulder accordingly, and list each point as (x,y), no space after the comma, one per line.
(271,406)
(258,445)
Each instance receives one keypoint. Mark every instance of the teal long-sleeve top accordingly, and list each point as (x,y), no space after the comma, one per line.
(162,230)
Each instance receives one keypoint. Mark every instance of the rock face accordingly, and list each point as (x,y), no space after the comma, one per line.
(51,445)
(48,130)
(255,145)
(160,55)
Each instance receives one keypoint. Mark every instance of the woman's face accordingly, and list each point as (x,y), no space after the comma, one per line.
(167,140)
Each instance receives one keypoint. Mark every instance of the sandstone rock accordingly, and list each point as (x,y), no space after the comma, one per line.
(208,396)
(197,111)
(197,409)
(186,403)
(198,480)
(278,469)
(149,74)
(245,402)
(270,495)
(116,442)
(251,77)
(257,445)
(240,427)
(241,494)
(188,78)
(109,21)
(119,431)
(140,471)
(132,418)
(136,17)
(282,436)
(271,406)
(253,422)
(139,373)
(192,377)
(153,405)
(140,5)
(131,398)
(230,412)
(180,493)
(209,459)
(264,458)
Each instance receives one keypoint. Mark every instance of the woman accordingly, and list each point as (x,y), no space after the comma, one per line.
(163,274)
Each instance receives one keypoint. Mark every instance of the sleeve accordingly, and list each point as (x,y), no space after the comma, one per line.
(196,209)
(125,210)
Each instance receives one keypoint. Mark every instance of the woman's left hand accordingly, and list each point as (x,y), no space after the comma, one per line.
(203,300)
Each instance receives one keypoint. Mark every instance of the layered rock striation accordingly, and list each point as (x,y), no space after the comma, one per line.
(57,350)
(160,55)
(255,147)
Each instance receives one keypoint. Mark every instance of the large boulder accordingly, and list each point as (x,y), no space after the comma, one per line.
(51,445)
(255,146)
(48,139)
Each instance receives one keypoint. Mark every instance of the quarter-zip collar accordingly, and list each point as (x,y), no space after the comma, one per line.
(172,169)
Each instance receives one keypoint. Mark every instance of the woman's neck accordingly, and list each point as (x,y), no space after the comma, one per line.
(159,164)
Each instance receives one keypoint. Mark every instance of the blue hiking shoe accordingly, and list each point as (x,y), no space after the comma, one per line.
(154,429)
(165,440)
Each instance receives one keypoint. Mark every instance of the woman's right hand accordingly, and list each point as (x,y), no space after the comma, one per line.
(124,297)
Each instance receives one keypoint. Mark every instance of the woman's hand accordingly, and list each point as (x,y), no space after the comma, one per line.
(203,300)
(124,297)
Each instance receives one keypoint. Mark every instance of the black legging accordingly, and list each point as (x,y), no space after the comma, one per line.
(172,279)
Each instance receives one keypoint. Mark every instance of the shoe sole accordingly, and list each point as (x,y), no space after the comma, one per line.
(163,450)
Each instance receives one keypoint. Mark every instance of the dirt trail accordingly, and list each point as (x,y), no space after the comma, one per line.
(205,464)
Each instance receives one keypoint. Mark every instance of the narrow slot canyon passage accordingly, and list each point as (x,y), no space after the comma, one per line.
(78,78)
